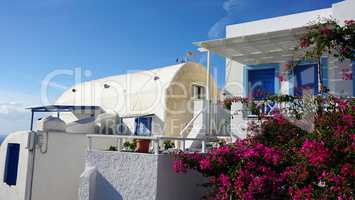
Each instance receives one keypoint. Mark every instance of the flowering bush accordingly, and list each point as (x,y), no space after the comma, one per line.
(281,161)
(327,37)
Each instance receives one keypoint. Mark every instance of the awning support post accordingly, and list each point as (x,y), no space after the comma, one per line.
(32,116)
(208,93)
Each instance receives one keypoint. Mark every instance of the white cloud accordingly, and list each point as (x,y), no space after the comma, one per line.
(11,107)
(13,113)
(231,7)
(13,117)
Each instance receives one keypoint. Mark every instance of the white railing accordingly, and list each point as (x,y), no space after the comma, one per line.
(155,139)
(267,107)
(182,132)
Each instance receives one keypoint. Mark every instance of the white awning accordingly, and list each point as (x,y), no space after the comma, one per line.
(271,47)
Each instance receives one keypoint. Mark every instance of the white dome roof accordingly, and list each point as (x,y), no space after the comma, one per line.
(137,93)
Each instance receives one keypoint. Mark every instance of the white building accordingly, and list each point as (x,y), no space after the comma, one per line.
(256,52)
(47,162)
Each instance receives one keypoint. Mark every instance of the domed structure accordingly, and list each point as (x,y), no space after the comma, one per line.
(165,94)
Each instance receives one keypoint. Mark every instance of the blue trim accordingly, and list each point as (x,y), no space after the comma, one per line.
(324,67)
(306,62)
(298,80)
(11,163)
(291,80)
(276,66)
(245,81)
(277,80)
(143,126)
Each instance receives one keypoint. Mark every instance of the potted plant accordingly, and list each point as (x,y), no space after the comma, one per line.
(168,144)
(143,145)
(130,146)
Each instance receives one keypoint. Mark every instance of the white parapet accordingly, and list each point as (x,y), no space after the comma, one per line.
(238,120)
(126,175)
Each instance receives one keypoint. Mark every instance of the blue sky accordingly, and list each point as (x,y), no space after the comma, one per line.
(109,37)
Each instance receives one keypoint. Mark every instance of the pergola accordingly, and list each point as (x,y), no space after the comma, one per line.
(60,108)
(271,47)
(262,48)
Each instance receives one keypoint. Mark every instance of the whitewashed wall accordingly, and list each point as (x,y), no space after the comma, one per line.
(16,192)
(123,175)
(58,168)
(234,71)
(337,83)
(344,10)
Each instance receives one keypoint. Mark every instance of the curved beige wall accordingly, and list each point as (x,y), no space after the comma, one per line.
(169,97)
(179,101)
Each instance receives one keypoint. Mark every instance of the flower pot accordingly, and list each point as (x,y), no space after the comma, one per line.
(143,146)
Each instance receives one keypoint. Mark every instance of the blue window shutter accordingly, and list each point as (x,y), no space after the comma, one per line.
(261,82)
(305,76)
(324,67)
(143,126)
(245,81)
(11,163)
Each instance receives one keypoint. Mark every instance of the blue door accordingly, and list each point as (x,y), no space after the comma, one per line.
(306,78)
(11,163)
(261,82)
(143,126)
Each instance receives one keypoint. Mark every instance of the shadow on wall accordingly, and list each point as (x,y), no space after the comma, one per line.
(104,189)
(176,186)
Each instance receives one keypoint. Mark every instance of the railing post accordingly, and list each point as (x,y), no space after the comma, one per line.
(183,145)
(90,143)
(156,146)
(203,146)
(119,144)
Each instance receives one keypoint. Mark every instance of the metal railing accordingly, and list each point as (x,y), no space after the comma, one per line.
(292,108)
(183,131)
(155,139)
(268,107)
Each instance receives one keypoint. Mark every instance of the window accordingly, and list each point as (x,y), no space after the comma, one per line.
(306,78)
(198,92)
(11,163)
(121,128)
(143,126)
(261,82)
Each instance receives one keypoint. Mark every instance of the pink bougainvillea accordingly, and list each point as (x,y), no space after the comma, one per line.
(281,161)
(315,152)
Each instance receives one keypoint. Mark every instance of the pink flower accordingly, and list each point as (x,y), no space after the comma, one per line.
(272,156)
(305,42)
(205,164)
(346,169)
(325,31)
(349,22)
(224,149)
(303,193)
(224,180)
(282,78)
(346,73)
(343,105)
(315,152)
(249,153)
(276,115)
(339,130)
(348,119)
